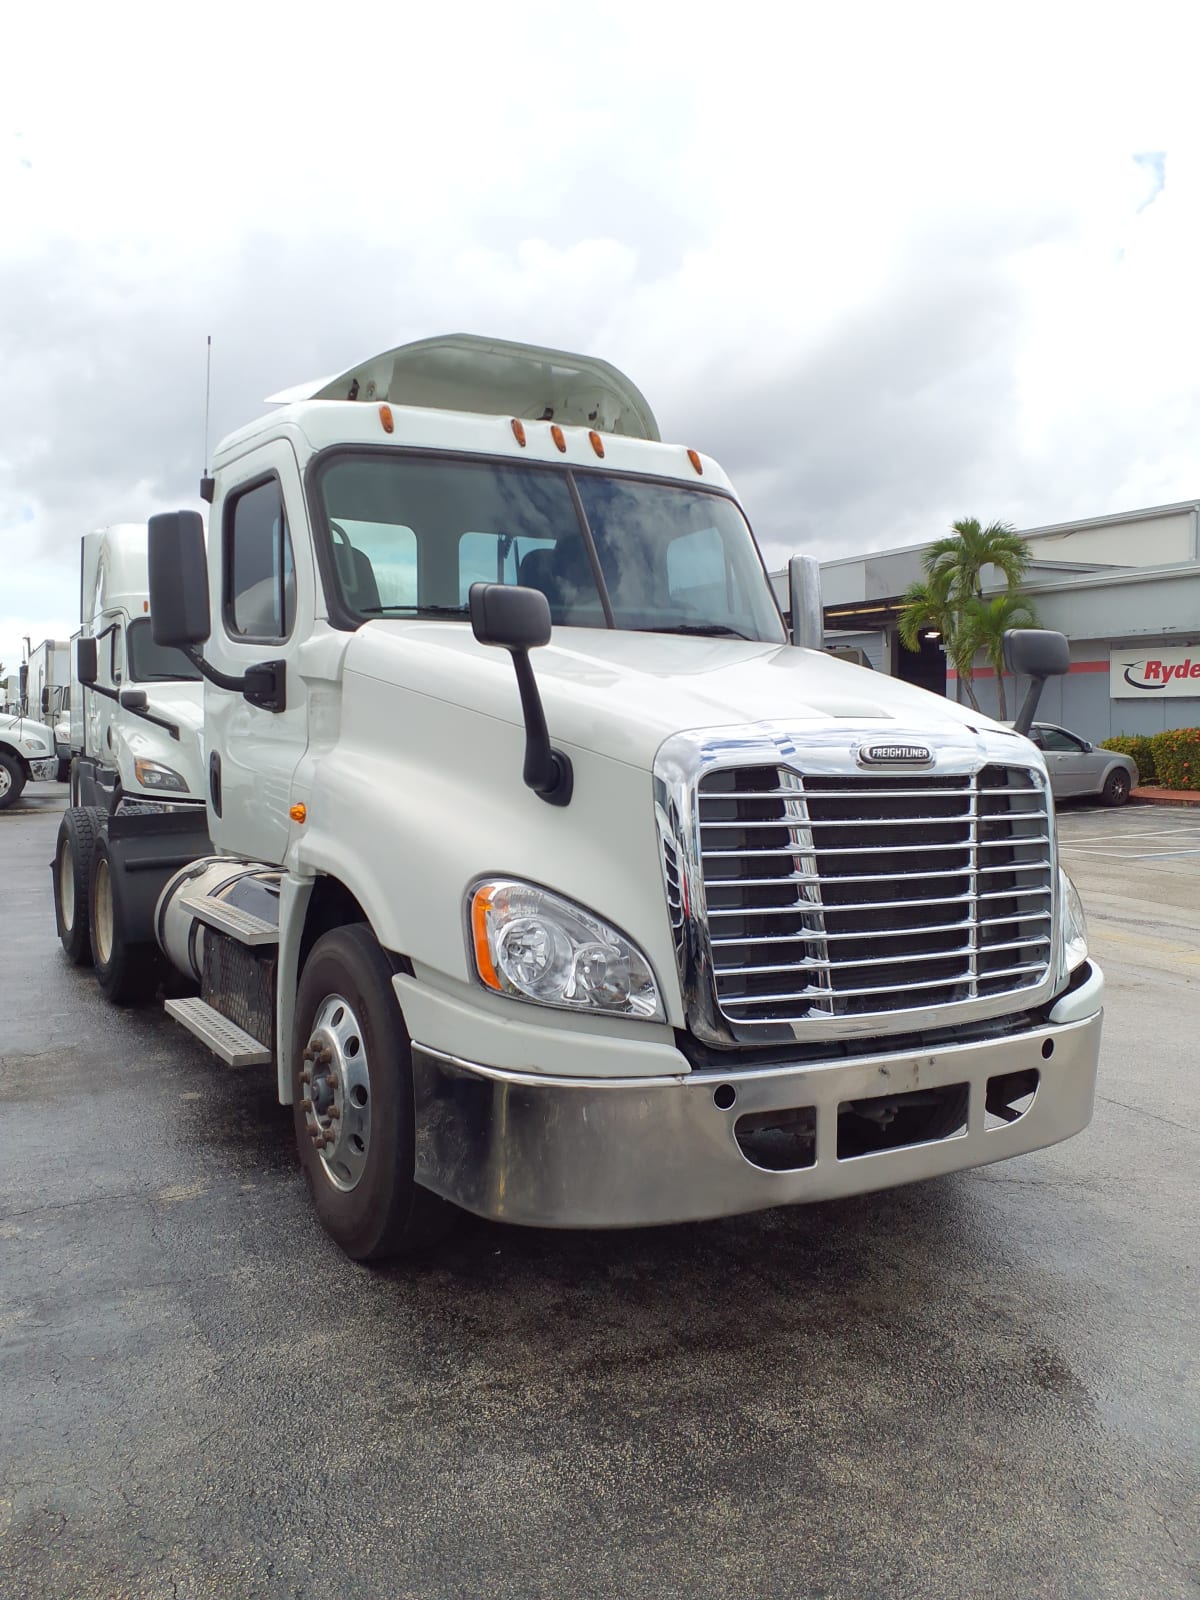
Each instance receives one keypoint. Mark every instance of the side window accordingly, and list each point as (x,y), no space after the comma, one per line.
(260,576)
(496,558)
(697,574)
(1055,739)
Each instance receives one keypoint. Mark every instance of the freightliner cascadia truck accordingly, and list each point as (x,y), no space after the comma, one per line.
(552,878)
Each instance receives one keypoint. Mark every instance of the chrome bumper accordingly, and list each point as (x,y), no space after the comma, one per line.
(44,770)
(611,1153)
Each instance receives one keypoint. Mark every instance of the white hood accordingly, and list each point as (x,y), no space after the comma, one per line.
(33,738)
(621,694)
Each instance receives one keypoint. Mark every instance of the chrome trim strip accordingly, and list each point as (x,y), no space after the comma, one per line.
(959,755)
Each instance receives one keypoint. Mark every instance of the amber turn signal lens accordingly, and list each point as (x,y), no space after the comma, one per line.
(298,813)
(518,429)
(480,906)
(385,416)
(694,458)
(597,443)
(556,434)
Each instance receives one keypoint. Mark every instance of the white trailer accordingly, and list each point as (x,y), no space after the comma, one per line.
(48,695)
(687,920)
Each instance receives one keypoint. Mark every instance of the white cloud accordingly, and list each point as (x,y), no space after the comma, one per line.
(887,263)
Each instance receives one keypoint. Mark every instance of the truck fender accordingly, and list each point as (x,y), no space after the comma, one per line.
(294,895)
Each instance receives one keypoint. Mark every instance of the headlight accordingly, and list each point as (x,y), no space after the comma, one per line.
(153,775)
(534,945)
(1074,923)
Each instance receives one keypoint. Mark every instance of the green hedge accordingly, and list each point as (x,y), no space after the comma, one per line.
(1177,758)
(1138,745)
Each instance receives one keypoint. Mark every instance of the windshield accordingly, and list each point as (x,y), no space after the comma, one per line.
(155,663)
(410,534)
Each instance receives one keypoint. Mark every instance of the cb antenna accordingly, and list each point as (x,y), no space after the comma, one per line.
(206,482)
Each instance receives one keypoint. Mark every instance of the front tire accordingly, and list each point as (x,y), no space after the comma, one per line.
(126,971)
(352,1102)
(1116,788)
(12,780)
(72,869)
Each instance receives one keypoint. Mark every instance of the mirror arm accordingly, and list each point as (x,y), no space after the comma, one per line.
(159,722)
(1024,718)
(263,684)
(548,772)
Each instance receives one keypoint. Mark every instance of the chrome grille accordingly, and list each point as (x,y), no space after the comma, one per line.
(840,896)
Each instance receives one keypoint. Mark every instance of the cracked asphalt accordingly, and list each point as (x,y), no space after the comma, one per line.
(981,1386)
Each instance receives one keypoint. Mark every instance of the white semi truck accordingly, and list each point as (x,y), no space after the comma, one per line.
(48,695)
(135,712)
(26,752)
(664,916)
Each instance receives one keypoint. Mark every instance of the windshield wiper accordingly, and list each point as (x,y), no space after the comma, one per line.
(709,629)
(413,611)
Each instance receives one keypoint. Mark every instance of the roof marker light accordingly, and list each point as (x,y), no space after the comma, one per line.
(518,429)
(385,416)
(597,443)
(556,434)
(694,458)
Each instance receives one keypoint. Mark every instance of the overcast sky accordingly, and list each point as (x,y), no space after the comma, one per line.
(891,265)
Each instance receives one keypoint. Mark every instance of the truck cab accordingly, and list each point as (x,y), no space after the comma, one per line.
(552,878)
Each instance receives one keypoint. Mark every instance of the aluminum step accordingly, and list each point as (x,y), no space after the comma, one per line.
(224,1038)
(241,925)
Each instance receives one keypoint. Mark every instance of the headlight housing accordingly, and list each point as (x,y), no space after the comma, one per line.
(154,775)
(534,945)
(1073,924)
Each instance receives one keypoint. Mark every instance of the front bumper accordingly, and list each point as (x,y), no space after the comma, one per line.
(563,1152)
(44,770)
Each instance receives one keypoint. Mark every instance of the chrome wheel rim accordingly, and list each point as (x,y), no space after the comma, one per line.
(66,885)
(5,781)
(103,919)
(336,1093)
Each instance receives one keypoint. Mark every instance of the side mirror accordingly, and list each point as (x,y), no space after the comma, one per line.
(1038,654)
(804,591)
(134,699)
(518,620)
(85,660)
(178,569)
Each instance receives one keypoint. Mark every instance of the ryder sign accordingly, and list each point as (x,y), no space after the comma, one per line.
(1142,672)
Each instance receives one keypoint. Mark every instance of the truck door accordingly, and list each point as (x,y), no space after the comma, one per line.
(262,598)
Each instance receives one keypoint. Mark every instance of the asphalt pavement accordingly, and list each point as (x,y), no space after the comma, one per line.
(980,1386)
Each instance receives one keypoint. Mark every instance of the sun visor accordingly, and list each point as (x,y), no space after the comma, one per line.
(461,372)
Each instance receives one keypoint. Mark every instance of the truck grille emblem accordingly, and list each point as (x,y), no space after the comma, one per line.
(878,755)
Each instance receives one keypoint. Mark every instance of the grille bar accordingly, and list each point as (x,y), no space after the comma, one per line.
(844,858)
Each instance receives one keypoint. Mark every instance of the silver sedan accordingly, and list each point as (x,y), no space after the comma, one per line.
(1076,767)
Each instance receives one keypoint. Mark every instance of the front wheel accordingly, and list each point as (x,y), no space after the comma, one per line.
(352,1102)
(1116,788)
(12,780)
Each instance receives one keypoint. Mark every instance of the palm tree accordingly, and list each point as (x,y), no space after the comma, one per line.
(962,556)
(982,626)
(930,605)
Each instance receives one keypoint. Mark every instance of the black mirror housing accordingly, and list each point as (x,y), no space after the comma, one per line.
(509,616)
(134,699)
(1036,652)
(85,660)
(178,568)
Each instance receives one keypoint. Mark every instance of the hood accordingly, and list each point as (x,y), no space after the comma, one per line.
(622,694)
(34,738)
(183,704)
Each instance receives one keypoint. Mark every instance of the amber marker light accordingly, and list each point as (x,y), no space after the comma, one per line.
(694,458)
(481,904)
(597,443)
(385,416)
(298,813)
(556,434)
(518,429)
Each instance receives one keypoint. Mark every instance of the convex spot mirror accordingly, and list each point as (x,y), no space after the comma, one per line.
(178,570)
(134,699)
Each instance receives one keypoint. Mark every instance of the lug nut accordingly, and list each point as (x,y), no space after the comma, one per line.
(331,1080)
(306,1104)
(333,1113)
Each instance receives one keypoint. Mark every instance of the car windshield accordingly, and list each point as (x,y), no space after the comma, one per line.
(409,535)
(155,663)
